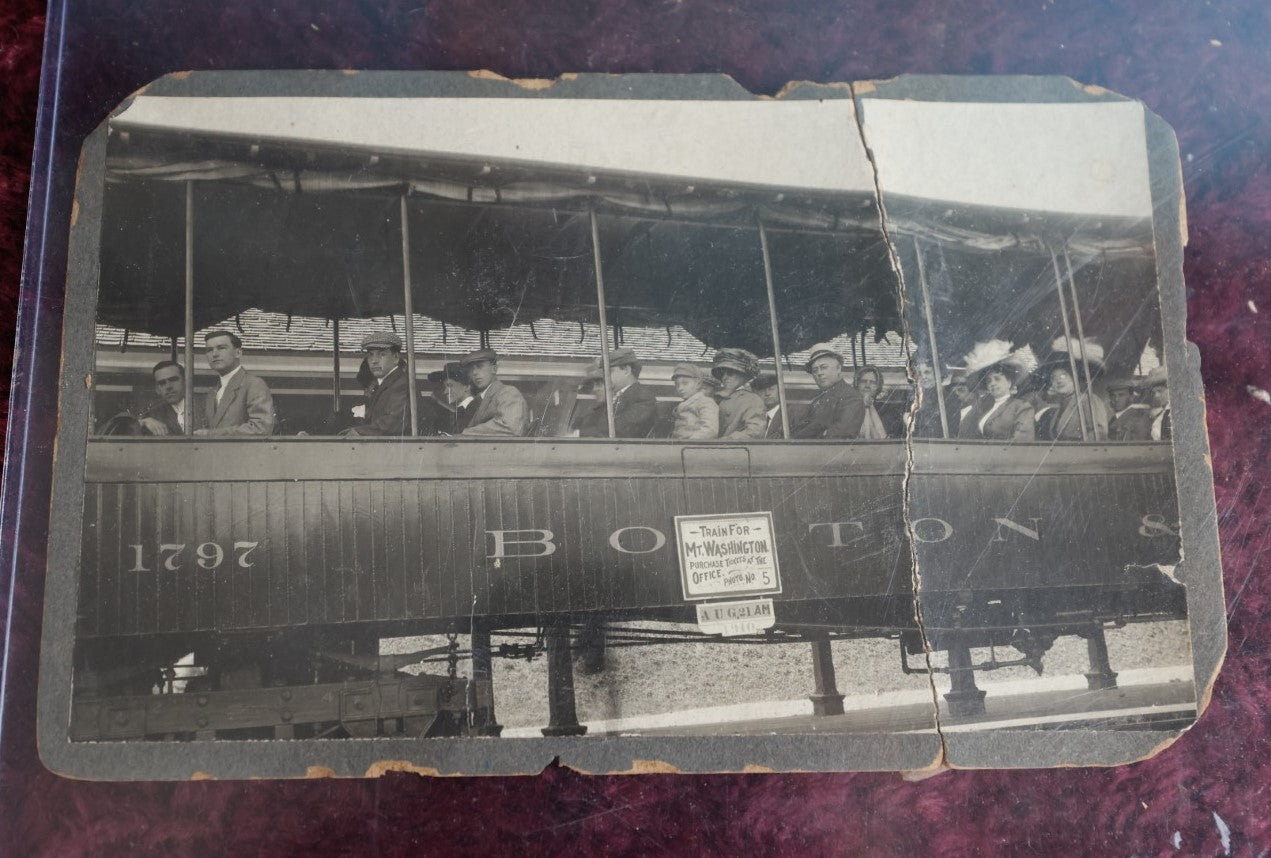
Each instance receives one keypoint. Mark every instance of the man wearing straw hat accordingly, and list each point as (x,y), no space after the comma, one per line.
(503,410)
(838,410)
(741,413)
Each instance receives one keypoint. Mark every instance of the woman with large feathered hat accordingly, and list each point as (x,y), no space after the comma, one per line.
(993,368)
(1055,377)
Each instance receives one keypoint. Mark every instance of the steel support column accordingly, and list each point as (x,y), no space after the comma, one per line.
(483,720)
(965,698)
(562,716)
(827,700)
(1101,674)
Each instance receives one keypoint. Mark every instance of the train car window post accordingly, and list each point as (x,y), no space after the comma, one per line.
(931,338)
(409,310)
(1072,361)
(776,336)
(603,318)
(335,366)
(1081,335)
(189,307)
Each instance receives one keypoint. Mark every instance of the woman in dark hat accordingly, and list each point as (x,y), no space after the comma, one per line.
(741,413)
(992,370)
(1055,376)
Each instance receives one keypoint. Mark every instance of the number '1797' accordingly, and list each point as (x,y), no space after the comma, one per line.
(209,555)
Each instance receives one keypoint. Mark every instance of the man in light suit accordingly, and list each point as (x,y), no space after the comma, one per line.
(241,403)
(503,409)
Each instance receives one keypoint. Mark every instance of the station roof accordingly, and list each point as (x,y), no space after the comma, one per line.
(547,339)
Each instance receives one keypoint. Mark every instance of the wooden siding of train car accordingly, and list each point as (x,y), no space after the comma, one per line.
(403,531)
(1053,531)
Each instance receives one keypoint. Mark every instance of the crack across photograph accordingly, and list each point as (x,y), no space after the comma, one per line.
(450,417)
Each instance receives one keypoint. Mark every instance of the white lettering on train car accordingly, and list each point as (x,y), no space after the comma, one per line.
(946,530)
(836,531)
(1033,532)
(615,539)
(545,540)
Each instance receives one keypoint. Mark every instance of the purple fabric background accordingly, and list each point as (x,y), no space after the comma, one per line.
(1205,69)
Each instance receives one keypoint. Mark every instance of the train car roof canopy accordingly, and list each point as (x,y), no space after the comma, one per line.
(296,209)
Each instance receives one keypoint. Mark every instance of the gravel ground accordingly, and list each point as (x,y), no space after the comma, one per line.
(674,677)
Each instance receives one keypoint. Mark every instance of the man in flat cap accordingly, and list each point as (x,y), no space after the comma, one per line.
(697,415)
(503,410)
(742,414)
(838,410)
(765,386)
(456,402)
(388,398)
(1130,420)
(635,407)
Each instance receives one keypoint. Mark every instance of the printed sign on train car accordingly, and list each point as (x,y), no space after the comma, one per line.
(727,555)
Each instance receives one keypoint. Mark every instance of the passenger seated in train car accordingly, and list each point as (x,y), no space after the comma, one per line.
(838,410)
(387,409)
(590,420)
(635,406)
(1055,373)
(1044,407)
(742,414)
(1130,420)
(998,415)
(454,401)
(241,403)
(1157,384)
(167,415)
(869,383)
(926,418)
(503,409)
(959,399)
(697,415)
(765,387)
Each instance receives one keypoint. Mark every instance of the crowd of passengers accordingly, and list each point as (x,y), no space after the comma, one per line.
(995,395)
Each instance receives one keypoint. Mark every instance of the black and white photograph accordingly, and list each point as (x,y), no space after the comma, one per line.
(522,415)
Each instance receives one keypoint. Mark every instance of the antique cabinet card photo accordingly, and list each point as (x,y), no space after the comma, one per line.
(440,422)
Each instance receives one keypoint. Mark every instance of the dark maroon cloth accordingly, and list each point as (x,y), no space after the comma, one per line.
(1203,67)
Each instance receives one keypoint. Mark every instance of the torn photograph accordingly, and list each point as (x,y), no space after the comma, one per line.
(462,423)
